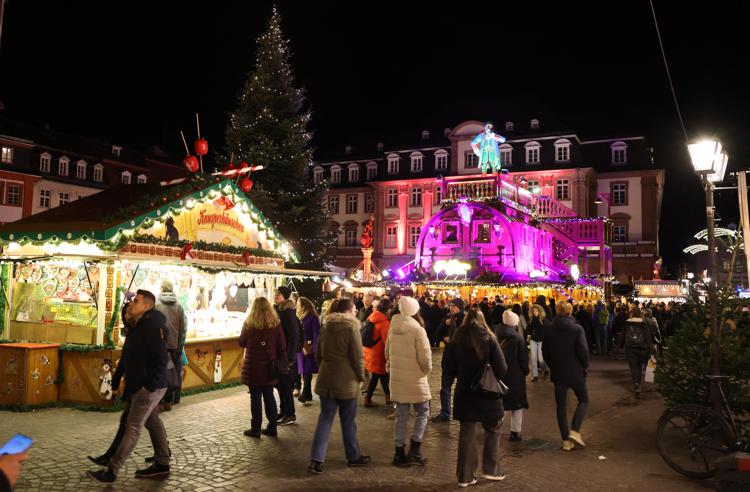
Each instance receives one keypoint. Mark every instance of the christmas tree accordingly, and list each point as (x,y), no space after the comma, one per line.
(269,127)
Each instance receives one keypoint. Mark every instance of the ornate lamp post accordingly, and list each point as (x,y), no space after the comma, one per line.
(710,163)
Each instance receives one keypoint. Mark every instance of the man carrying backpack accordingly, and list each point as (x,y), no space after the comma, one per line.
(639,346)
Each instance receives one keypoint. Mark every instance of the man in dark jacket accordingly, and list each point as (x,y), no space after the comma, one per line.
(542,301)
(566,353)
(496,315)
(290,325)
(448,329)
(167,305)
(144,358)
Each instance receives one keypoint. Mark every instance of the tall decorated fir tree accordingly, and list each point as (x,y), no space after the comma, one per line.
(269,127)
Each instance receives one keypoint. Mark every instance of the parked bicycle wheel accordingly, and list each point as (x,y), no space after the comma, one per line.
(691,437)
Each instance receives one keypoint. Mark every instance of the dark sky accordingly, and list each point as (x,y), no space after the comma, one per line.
(133,73)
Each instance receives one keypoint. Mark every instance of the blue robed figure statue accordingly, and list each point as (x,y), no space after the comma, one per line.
(486,147)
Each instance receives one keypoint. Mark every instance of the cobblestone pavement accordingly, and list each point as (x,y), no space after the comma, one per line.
(211,453)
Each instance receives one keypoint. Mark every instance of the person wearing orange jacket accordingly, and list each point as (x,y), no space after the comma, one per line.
(375,355)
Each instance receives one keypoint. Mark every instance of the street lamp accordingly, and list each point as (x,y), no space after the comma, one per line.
(710,163)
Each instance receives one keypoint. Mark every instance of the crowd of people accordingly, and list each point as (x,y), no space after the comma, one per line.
(354,343)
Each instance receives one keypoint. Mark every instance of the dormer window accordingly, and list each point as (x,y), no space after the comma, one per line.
(45,162)
(353,173)
(372,171)
(425,135)
(532,152)
(98,173)
(506,155)
(335,174)
(534,124)
(116,150)
(393,160)
(81,169)
(317,175)
(142,178)
(62,166)
(441,160)
(508,126)
(416,162)
(619,153)
(562,150)
(7,155)
(125,177)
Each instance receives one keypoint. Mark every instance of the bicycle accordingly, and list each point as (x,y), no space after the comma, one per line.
(691,437)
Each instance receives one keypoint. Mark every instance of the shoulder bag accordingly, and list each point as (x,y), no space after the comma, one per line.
(485,383)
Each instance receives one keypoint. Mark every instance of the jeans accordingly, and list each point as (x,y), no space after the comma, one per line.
(347,414)
(637,359)
(601,339)
(120,432)
(445,395)
(260,395)
(384,380)
(466,467)
(143,411)
(537,359)
(307,386)
(561,399)
(402,419)
(174,397)
(516,419)
(286,400)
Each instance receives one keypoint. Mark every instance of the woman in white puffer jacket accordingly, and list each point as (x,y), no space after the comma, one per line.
(409,362)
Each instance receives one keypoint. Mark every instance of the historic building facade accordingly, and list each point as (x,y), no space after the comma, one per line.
(403,187)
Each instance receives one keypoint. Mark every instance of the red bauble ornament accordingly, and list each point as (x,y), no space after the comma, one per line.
(243,165)
(201,146)
(191,163)
(229,167)
(246,185)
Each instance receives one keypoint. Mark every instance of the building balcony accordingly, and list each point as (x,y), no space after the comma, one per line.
(634,249)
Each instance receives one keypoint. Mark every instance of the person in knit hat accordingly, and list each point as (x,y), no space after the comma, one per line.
(290,325)
(514,349)
(409,362)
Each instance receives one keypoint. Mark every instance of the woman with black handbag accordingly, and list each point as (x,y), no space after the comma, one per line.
(265,359)
(474,357)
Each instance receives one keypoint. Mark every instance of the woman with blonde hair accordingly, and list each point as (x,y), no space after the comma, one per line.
(264,342)
(306,364)
(536,335)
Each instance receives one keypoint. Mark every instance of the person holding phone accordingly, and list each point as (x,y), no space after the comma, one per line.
(12,456)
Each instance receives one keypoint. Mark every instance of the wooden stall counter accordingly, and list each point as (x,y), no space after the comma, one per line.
(212,361)
(28,372)
(87,377)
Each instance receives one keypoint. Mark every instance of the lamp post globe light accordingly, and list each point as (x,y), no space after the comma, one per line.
(710,164)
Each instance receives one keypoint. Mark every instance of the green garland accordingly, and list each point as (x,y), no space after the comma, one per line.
(202,246)
(108,340)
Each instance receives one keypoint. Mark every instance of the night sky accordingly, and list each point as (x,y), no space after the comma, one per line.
(134,74)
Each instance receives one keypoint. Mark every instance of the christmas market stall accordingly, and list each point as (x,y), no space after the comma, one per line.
(66,272)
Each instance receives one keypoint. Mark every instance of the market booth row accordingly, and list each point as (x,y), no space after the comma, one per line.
(65,273)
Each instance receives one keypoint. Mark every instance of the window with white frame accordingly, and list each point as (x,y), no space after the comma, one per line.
(620,233)
(350,238)
(470,159)
(335,174)
(414,232)
(393,160)
(125,177)
(619,192)
(532,152)
(391,236)
(45,162)
(333,204)
(98,173)
(353,173)
(62,166)
(533,186)
(562,189)
(562,150)
(369,203)
(441,160)
(142,178)
(415,197)
(351,204)
(7,155)
(508,126)
(13,196)
(45,198)
(416,162)
(534,124)
(317,175)
(506,155)
(392,198)
(64,198)
(619,153)
(81,169)
(372,171)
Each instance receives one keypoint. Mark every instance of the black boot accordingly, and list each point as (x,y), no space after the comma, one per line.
(415,455)
(515,437)
(400,458)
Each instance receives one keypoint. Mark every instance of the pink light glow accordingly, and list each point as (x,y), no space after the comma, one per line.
(465,212)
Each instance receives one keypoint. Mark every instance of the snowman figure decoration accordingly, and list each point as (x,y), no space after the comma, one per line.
(105,388)
(217,367)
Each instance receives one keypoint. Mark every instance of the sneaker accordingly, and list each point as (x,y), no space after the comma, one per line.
(287,420)
(567,445)
(361,461)
(102,476)
(154,471)
(515,437)
(252,433)
(575,436)
(270,432)
(102,460)
(315,468)
(466,484)
(440,418)
(534,379)
(296,393)
(494,478)
(637,390)
(304,401)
